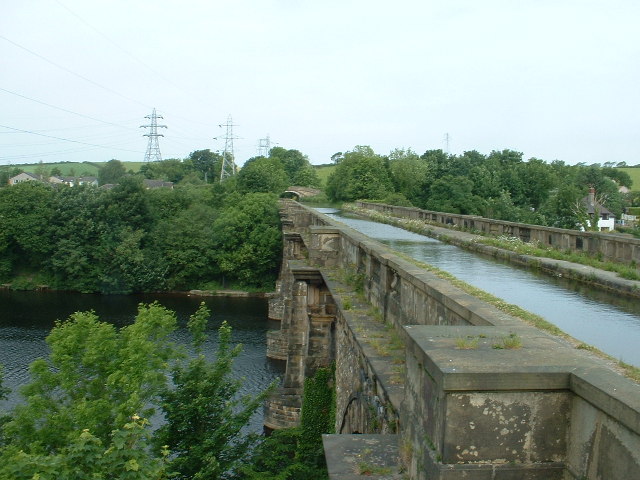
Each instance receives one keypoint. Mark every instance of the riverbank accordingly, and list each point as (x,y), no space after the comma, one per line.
(555,267)
(229,293)
(195,292)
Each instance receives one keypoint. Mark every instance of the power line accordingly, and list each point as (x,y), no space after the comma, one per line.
(72,72)
(64,109)
(68,139)
(132,56)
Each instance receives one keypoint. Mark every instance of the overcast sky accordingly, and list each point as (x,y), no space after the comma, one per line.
(553,79)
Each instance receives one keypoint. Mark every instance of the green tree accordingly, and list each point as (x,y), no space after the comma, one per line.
(362,174)
(25,215)
(97,378)
(169,170)
(247,239)
(185,242)
(203,411)
(83,412)
(262,175)
(111,172)
(409,173)
(297,167)
(454,194)
(207,164)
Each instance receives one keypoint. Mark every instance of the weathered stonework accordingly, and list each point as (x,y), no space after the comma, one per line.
(541,410)
(612,247)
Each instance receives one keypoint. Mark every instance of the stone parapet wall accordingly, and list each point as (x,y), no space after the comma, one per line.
(540,410)
(611,247)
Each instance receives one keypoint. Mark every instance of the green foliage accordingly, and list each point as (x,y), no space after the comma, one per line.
(111,172)
(317,416)
(297,454)
(297,167)
(247,238)
(96,378)
(124,456)
(129,239)
(80,415)
(361,174)
(204,414)
(263,175)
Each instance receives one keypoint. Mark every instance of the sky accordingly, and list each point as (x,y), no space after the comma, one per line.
(553,79)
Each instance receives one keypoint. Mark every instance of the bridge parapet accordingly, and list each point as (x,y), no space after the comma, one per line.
(468,406)
(612,247)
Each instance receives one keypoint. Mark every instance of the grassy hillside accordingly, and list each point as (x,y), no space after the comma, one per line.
(76,168)
(323,172)
(634,173)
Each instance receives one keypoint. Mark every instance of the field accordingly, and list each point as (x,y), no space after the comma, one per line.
(323,172)
(634,173)
(76,168)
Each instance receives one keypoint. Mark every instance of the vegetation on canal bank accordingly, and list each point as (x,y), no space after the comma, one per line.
(629,272)
(537,321)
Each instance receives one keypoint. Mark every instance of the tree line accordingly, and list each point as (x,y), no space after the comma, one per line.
(202,233)
(500,185)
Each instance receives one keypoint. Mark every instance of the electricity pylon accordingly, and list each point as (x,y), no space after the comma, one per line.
(153,149)
(264,145)
(228,163)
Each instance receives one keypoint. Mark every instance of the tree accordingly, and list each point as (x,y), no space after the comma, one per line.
(409,173)
(247,239)
(111,172)
(262,175)
(84,410)
(204,414)
(362,174)
(292,160)
(454,195)
(207,164)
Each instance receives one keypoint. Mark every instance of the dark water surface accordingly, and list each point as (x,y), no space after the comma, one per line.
(605,320)
(27,317)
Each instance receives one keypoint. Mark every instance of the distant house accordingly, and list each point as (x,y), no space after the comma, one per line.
(149,184)
(25,177)
(72,181)
(88,181)
(60,180)
(606,219)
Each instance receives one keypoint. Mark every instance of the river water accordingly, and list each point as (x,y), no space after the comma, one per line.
(599,318)
(27,317)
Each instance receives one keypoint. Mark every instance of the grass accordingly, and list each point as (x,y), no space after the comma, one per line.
(634,173)
(508,342)
(467,343)
(630,272)
(323,172)
(76,168)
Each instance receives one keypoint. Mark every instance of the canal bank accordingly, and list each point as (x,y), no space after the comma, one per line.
(589,317)
(472,242)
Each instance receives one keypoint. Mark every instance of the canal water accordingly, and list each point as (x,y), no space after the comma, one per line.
(596,317)
(26,318)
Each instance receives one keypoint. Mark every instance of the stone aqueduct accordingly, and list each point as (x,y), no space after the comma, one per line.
(411,397)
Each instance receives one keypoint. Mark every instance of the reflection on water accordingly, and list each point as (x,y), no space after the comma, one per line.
(27,317)
(594,316)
